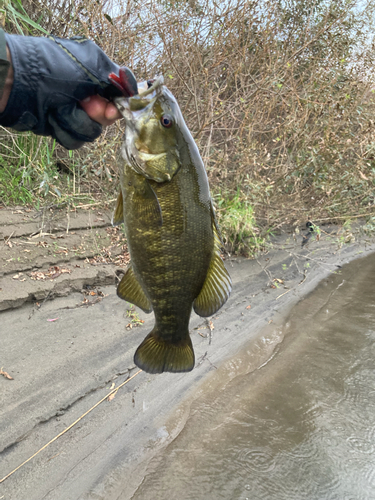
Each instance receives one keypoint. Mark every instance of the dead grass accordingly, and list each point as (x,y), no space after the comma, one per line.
(278,95)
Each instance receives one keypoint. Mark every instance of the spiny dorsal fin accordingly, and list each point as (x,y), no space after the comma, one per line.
(131,290)
(217,286)
(156,355)
(118,215)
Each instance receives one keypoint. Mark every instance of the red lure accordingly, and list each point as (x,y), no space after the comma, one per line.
(125,82)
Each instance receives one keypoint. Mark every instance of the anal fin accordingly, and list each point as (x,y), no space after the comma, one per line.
(131,290)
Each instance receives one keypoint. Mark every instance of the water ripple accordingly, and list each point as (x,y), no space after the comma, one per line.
(361,445)
(256,460)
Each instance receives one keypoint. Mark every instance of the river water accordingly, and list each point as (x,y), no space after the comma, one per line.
(302,426)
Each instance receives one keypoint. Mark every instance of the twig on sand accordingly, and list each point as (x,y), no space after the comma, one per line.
(282,294)
(89,205)
(9,237)
(70,426)
(205,358)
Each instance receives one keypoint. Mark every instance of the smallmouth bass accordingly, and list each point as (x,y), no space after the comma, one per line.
(171,229)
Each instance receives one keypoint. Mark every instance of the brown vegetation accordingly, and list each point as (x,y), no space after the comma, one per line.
(279,95)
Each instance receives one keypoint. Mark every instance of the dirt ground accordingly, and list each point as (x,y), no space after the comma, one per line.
(67,341)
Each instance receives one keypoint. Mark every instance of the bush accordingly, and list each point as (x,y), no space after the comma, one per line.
(279,95)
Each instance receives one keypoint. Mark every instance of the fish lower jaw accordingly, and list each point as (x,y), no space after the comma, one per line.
(122,105)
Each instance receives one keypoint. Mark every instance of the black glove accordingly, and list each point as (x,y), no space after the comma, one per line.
(51,76)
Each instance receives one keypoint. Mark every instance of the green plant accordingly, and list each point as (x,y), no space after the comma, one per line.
(14,13)
(12,190)
(369,227)
(237,224)
(134,318)
(345,233)
(33,157)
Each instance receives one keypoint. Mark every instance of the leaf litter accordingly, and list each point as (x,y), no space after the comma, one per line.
(5,374)
(52,273)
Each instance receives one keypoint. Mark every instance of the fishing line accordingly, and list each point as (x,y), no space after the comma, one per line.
(70,426)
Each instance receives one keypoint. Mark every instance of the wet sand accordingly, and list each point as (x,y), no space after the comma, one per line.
(62,368)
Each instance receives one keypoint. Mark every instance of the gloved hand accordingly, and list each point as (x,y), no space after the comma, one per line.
(51,76)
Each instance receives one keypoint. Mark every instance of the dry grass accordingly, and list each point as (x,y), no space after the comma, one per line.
(278,95)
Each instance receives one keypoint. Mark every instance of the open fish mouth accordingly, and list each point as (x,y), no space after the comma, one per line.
(144,91)
(146,88)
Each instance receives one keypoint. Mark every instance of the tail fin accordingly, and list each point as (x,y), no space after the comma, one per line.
(156,355)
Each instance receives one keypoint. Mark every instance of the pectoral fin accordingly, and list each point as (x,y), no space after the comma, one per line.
(118,215)
(148,205)
(217,286)
(131,290)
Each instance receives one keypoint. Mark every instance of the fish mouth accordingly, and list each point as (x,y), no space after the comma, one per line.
(131,109)
(137,163)
(145,154)
(138,159)
(144,91)
(141,156)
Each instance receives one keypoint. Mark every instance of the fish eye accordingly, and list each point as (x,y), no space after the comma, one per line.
(166,121)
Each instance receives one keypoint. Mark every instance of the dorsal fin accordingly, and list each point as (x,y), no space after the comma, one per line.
(131,290)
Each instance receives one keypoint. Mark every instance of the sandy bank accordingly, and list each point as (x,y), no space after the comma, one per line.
(62,368)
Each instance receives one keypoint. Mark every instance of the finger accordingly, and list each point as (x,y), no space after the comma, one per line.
(100,110)
(112,113)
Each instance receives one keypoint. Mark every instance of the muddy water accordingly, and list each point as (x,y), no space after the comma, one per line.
(302,426)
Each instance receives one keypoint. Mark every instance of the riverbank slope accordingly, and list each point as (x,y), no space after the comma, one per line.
(69,340)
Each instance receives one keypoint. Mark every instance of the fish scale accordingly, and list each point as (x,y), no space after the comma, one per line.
(168,274)
(171,229)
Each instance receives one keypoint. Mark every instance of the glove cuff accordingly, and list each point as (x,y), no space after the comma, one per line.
(21,110)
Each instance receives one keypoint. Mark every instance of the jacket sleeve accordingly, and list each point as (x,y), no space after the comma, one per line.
(4,63)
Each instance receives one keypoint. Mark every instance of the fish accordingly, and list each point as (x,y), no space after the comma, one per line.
(171,228)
